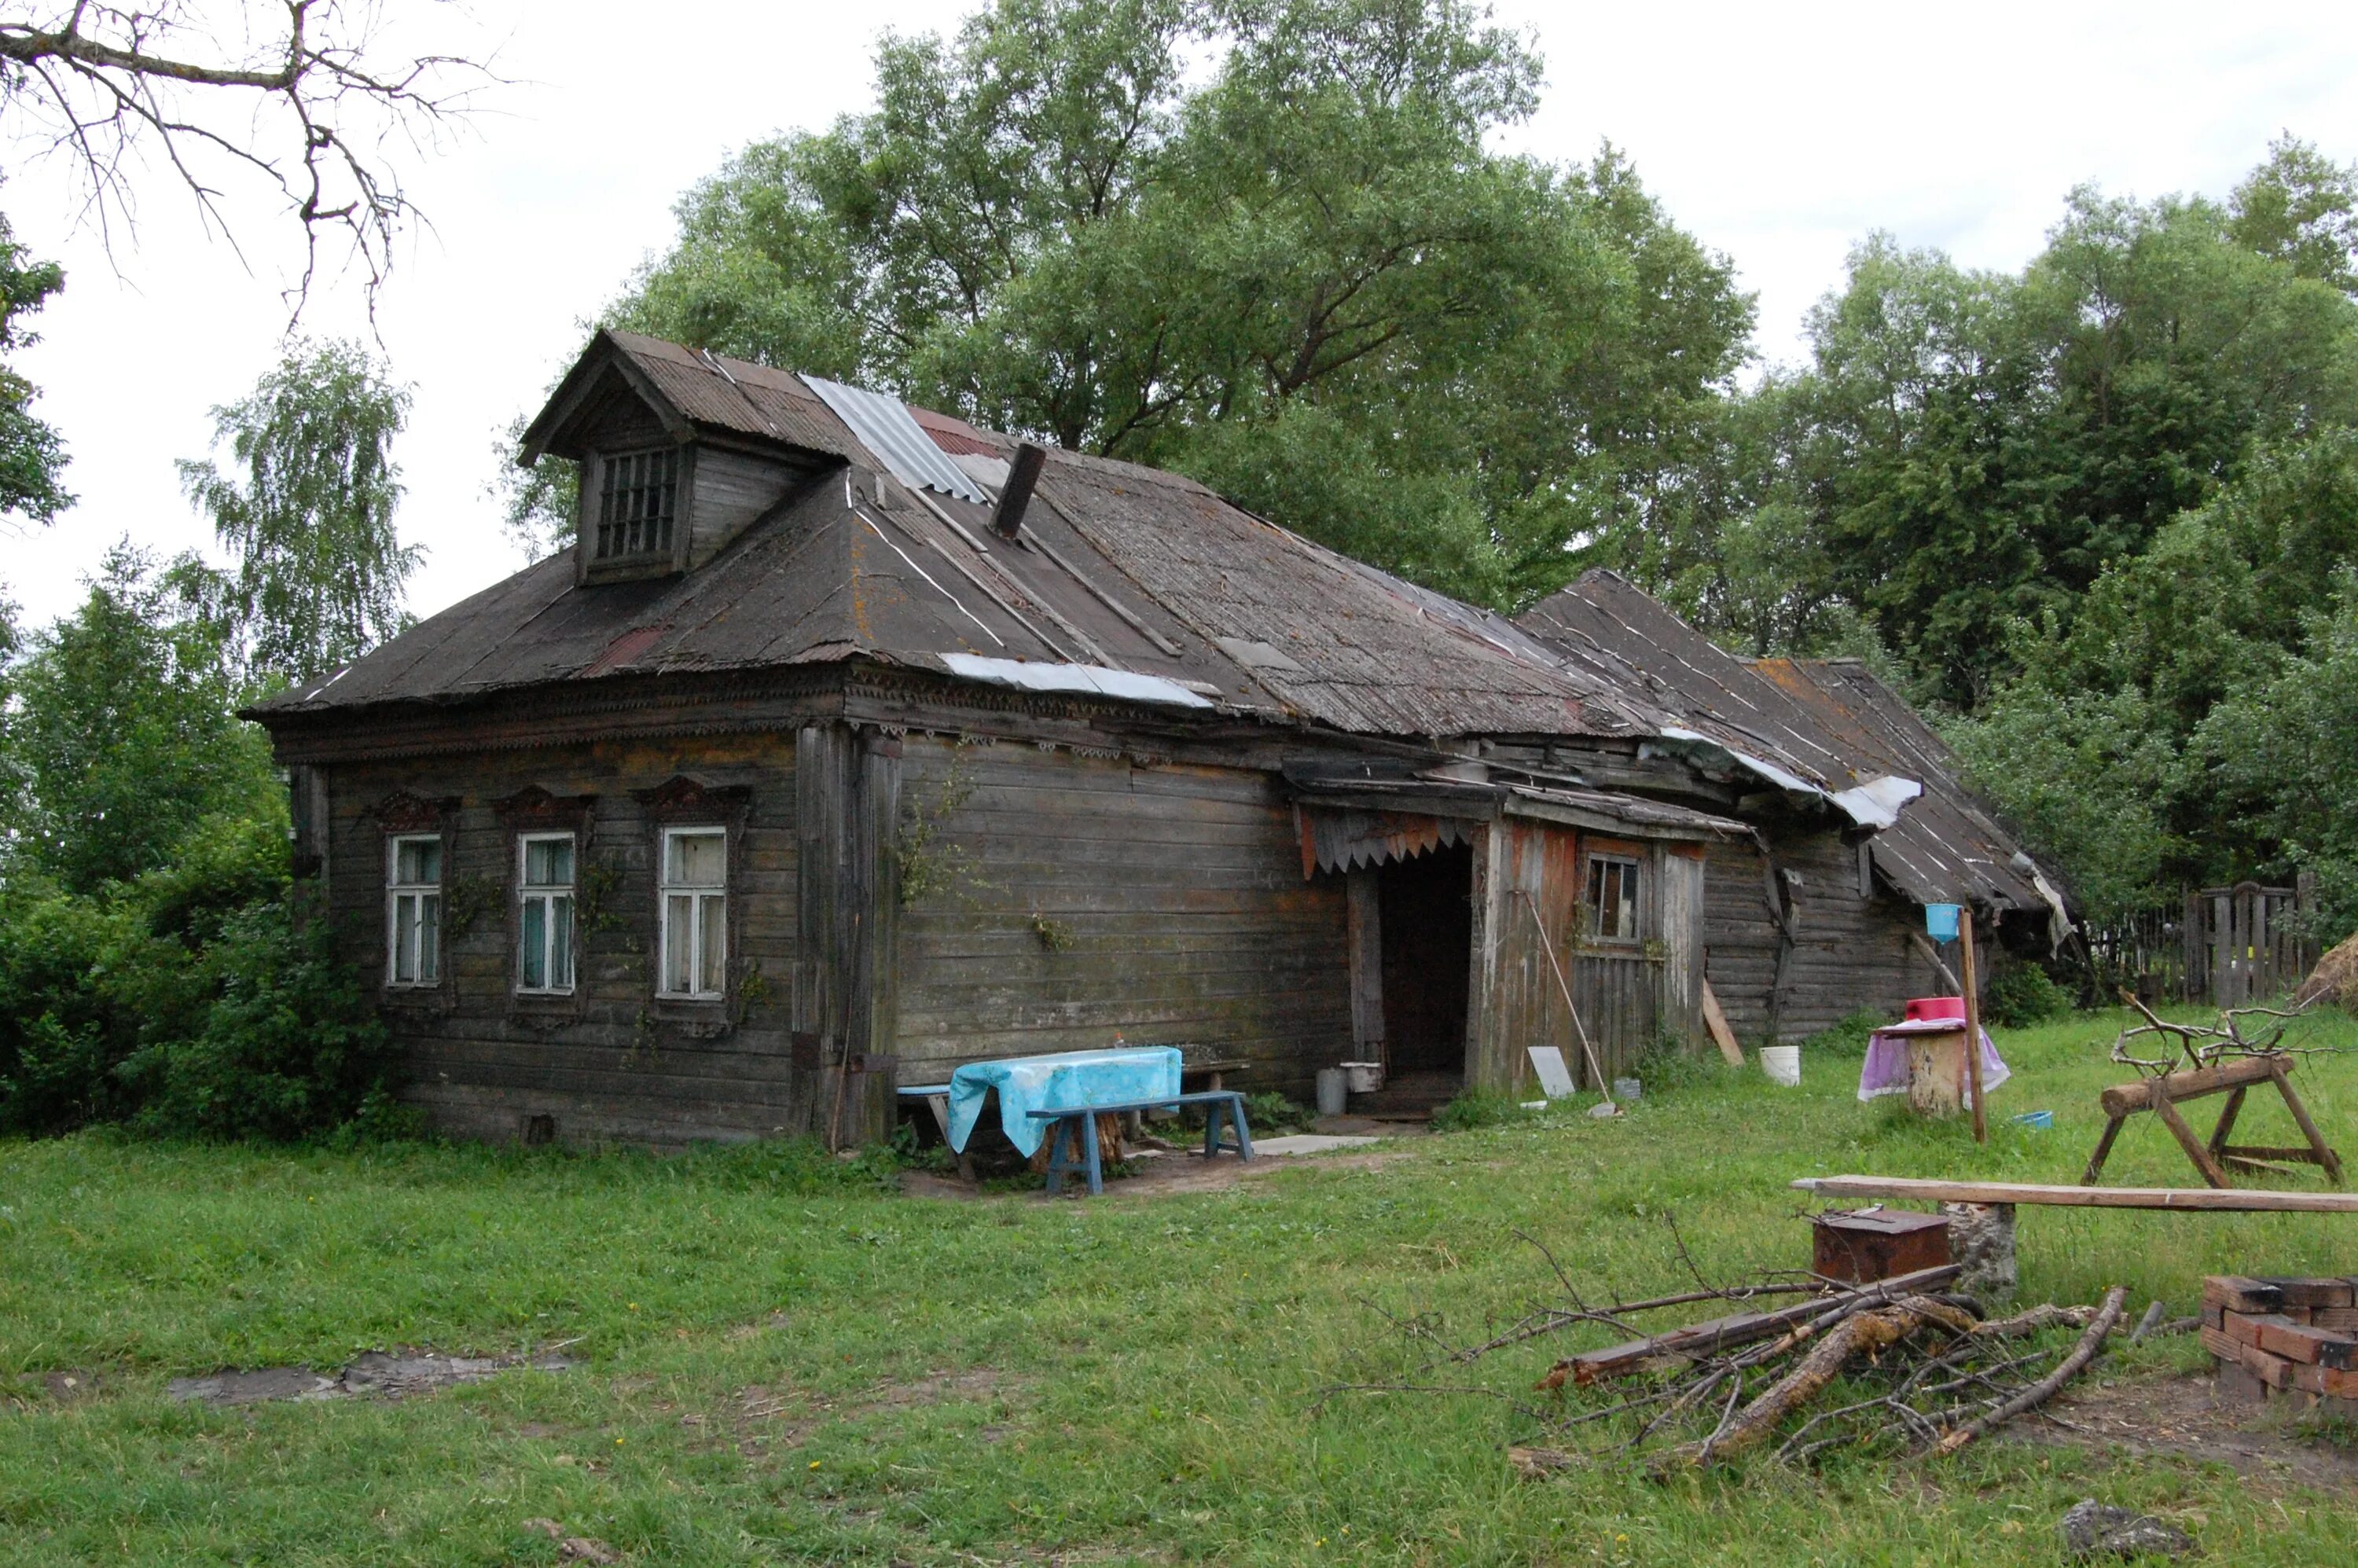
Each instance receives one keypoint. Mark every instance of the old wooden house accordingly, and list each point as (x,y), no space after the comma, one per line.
(849,743)
(1861,812)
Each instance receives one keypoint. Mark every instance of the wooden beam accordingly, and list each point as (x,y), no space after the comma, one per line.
(2128,1098)
(1721,1333)
(2211,1169)
(1974,1034)
(2230,1201)
(1934,954)
(2325,1156)
(1722,1035)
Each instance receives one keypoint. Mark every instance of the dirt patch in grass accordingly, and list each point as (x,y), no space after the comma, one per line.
(49,1388)
(2179,1415)
(380,1374)
(775,1417)
(1161,1176)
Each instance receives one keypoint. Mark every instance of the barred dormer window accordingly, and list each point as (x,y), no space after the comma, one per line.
(638,499)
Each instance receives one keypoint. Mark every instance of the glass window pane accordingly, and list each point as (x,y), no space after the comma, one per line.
(715,944)
(405,939)
(560,943)
(429,938)
(679,937)
(548,862)
(696,860)
(418,861)
(532,946)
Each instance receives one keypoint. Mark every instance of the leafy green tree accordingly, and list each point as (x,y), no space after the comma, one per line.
(320,567)
(32,457)
(1297,272)
(2281,758)
(1967,450)
(2301,208)
(121,737)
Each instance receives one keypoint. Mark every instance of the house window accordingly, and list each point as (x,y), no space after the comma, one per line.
(413,912)
(545,914)
(638,498)
(1612,898)
(695,912)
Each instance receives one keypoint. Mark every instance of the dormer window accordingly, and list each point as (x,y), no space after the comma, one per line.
(638,503)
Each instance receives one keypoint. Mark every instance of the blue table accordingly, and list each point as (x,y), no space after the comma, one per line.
(1026,1084)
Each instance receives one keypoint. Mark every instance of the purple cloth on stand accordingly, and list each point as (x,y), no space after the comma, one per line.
(1886,1069)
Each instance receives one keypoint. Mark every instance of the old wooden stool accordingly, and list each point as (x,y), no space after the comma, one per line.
(2232,1079)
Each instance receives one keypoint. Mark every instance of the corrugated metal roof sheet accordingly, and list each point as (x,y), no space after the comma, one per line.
(885,427)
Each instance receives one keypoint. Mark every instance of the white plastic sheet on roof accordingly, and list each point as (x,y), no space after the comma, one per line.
(1033,676)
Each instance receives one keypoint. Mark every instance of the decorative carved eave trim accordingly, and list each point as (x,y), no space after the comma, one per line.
(533,806)
(402,812)
(685,799)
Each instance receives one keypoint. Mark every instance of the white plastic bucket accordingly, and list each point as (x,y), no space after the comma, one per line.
(1330,1091)
(1363,1077)
(1783,1064)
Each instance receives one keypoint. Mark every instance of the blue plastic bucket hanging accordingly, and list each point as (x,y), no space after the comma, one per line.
(1941,920)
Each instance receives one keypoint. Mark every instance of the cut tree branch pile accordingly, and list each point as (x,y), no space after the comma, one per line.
(1899,1365)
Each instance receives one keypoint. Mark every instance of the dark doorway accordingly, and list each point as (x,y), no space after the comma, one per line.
(1428,934)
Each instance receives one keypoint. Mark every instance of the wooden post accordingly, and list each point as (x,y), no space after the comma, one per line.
(1364,914)
(1972,1026)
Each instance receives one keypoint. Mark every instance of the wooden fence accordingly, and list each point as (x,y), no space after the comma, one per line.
(2227,945)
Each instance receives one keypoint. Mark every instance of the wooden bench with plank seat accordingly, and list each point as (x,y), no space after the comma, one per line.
(1075,1127)
(936,1098)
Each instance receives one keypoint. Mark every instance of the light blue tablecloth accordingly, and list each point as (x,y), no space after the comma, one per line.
(1026,1084)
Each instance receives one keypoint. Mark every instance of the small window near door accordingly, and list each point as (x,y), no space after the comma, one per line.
(1612,898)
(413,912)
(695,912)
(545,915)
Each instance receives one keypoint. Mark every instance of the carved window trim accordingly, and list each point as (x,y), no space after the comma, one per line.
(530,813)
(416,900)
(686,803)
(407,816)
(557,902)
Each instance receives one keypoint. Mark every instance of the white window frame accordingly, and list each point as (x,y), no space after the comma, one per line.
(426,959)
(1598,860)
(698,894)
(551,895)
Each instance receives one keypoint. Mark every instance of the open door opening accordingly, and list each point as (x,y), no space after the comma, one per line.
(1427,939)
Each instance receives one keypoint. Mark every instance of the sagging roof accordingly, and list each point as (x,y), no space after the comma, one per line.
(1951,842)
(1821,727)
(1151,585)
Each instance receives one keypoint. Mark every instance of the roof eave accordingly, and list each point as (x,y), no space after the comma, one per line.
(542,437)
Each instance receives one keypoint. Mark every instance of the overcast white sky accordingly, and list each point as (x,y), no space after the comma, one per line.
(1779,133)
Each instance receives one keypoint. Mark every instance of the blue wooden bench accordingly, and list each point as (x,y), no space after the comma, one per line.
(1073,1139)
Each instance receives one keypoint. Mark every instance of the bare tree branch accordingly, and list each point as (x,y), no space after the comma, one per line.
(307,99)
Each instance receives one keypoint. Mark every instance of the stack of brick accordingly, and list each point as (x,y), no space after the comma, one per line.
(2285,1339)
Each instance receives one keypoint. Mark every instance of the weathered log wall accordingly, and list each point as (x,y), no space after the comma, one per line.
(610,1061)
(1848,952)
(1058,901)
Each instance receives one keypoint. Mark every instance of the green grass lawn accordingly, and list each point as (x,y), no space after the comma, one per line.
(765,1337)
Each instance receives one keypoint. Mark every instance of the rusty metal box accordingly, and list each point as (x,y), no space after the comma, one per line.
(1868,1244)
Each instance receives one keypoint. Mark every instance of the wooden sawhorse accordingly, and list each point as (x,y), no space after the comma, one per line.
(2234,1079)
